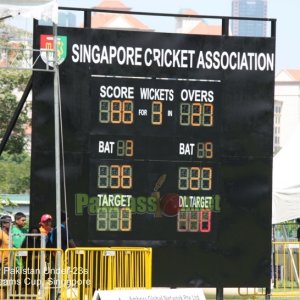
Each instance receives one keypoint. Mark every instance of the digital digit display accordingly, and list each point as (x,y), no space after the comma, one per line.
(195,178)
(113,219)
(116,112)
(167,144)
(114,177)
(196,114)
(174,135)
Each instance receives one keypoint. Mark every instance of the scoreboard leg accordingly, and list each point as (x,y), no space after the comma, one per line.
(268,293)
(220,293)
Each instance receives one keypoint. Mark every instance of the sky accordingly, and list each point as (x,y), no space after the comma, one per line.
(285,12)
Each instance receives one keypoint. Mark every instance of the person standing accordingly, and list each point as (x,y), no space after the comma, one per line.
(66,237)
(18,235)
(298,230)
(66,242)
(32,261)
(45,224)
(4,238)
(18,230)
(5,222)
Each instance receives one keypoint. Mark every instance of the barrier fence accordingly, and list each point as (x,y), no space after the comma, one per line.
(44,273)
(74,274)
(30,273)
(286,269)
(90,269)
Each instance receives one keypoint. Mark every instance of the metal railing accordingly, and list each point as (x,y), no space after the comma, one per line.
(26,59)
(286,269)
(90,269)
(224,19)
(43,273)
(29,273)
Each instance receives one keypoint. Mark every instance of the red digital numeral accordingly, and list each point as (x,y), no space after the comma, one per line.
(205,220)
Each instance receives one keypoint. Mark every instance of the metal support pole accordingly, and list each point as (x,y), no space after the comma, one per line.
(290,252)
(220,293)
(268,293)
(273,28)
(15,117)
(273,258)
(6,17)
(225,26)
(57,139)
(87,19)
(57,161)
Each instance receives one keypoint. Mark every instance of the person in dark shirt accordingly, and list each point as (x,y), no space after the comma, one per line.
(31,262)
(66,242)
(66,237)
(298,230)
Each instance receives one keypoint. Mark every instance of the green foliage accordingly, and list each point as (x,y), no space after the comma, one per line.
(12,81)
(9,32)
(6,205)
(286,230)
(15,173)
(14,162)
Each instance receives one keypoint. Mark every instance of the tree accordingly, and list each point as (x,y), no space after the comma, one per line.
(15,173)
(12,81)
(15,162)
(6,205)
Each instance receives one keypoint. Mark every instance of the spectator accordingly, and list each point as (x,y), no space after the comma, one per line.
(4,238)
(66,242)
(32,241)
(32,262)
(18,231)
(45,224)
(66,237)
(4,254)
(298,230)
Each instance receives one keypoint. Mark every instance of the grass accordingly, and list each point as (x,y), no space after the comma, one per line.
(230,297)
(233,294)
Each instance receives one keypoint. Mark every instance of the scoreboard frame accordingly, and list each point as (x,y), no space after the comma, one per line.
(182,148)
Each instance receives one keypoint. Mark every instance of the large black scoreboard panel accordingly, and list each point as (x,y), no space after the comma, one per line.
(167,143)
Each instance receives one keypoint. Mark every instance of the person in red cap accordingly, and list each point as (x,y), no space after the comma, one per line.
(45,224)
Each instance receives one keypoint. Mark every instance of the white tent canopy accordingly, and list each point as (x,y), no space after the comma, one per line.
(286,181)
(37,9)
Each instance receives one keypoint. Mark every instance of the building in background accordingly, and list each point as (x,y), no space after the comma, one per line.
(277,122)
(116,21)
(286,106)
(67,19)
(13,203)
(249,8)
(196,25)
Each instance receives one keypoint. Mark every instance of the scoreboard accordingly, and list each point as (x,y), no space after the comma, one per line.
(154,141)
(168,144)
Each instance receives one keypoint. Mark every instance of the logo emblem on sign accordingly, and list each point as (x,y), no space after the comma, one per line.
(47,48)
